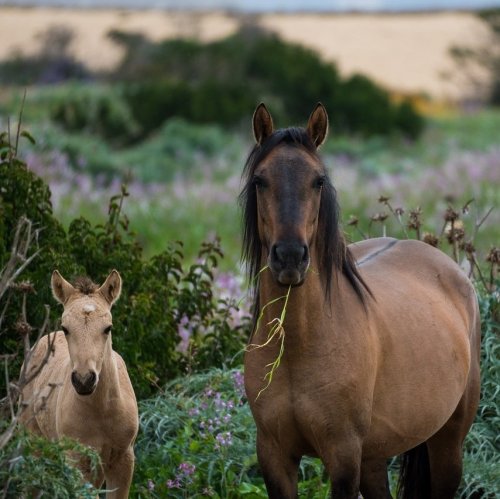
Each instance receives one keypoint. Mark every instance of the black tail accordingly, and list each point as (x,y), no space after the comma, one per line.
(415,476)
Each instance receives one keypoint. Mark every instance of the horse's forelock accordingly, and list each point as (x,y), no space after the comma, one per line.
(85,285)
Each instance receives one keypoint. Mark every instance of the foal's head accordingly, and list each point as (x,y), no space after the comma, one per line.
(291,214)
(86,323)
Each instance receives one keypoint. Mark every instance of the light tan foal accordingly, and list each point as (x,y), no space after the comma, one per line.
(94,401)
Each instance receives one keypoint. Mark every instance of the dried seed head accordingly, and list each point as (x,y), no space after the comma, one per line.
(431,239)
(353,220)
(383,199)
(378,217)
(399,211)
(414,222)
(494,256)
(451,215)
(455,234)
(23,287)
(22,327)
(468,247)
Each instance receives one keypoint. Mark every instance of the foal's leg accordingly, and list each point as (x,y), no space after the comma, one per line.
(374,482)
(279,469)
(119,475)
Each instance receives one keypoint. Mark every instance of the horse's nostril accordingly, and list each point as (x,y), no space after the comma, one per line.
(74,378)
(305,255)
(91,379)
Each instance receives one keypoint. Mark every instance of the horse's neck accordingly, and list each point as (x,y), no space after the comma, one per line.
(304,307)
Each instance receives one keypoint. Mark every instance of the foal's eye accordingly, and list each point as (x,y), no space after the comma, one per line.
(65,331)
(319,182)
(107,330)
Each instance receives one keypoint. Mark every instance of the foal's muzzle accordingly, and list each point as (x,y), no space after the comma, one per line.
(289,262)
(84,385)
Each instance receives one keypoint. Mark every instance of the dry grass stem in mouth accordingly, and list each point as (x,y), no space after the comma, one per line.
(277,331)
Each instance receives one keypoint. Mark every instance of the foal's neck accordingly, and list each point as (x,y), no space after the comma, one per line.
(108,387)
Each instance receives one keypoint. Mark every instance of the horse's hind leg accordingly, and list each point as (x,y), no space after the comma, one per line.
(280,471)
(445,446)
(374,482)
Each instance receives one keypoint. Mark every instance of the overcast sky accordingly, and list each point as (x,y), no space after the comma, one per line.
(273,5)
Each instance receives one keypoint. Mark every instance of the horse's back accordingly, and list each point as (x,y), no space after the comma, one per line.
(412,266)
(424,318)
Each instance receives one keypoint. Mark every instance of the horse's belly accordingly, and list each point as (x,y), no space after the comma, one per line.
(414,399)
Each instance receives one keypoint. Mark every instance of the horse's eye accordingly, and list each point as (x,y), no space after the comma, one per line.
(107,330)
(65,331)
(319,182)
(259,181)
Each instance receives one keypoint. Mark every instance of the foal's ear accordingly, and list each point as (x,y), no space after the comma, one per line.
(262,123)
(317,126)
(61,288)
(112,287)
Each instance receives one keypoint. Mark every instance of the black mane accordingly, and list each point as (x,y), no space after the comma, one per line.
(332,249)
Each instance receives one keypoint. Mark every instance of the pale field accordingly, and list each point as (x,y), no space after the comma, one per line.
(406,53)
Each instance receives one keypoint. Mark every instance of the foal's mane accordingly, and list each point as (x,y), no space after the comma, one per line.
(85,285)
(331,246)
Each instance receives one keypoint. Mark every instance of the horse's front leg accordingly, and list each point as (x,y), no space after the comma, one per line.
(342,462)
(119,475)
(374,482)
(279,468)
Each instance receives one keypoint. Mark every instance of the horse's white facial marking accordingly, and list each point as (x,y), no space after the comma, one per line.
(89,307)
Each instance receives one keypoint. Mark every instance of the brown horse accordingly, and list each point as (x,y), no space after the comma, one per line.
(381,338)
(94,401)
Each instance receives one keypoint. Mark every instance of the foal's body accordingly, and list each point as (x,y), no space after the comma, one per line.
(345,390)
(381,357)
(105,419)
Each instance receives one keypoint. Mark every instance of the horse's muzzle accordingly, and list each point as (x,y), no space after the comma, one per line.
(84,385)
(289,262)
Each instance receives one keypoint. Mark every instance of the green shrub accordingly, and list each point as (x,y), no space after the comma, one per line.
(197,439)
(221,82)
(95,110)
(482,445)
(159,296)
(30,464)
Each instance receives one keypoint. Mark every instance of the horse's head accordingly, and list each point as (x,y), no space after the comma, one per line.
(290,207)
(86,323)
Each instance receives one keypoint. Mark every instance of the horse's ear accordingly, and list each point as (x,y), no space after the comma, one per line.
(61,288)
(262,123)
(317,126)
(112,287)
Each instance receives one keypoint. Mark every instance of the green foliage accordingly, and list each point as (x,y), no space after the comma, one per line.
(96,110)
(177,149)
(222,81)
(482,445)
(197,439)
(158,294)
(30,464)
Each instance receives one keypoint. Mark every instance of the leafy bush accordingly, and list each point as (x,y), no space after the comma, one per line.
(482,445)
(161,297)
(222,81)
(197,439)
(96,110)
(30,464)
